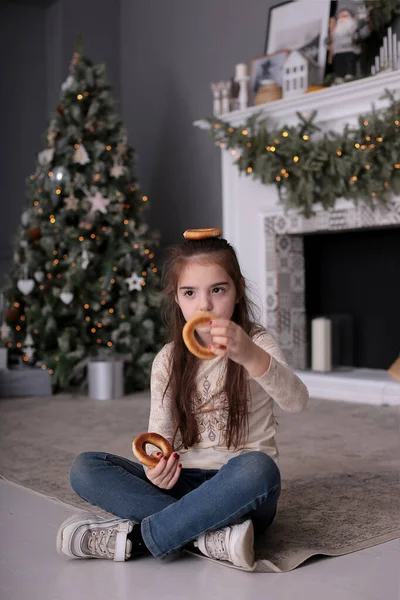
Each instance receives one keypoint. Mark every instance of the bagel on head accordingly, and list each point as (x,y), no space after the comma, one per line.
(202,234)
(189,338)
(139,448)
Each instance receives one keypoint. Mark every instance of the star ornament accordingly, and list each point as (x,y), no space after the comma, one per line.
(99,203)
(134,282)
(72,202)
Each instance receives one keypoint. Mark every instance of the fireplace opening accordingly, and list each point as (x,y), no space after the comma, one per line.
(353,278)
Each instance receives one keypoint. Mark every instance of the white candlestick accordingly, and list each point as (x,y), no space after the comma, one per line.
(381,60)
(225,100)
(394,46)
(240,70)
(390,49)
(216,90)
(385,52)
(321,353)
(377,64)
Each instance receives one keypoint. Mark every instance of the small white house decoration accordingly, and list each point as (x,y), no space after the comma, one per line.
(299,73)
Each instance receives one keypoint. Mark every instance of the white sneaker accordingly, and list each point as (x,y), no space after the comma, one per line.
(234,544)
(90,536)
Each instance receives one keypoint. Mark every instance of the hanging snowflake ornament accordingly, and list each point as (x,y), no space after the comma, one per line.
(72,202)
(98,203)
(87,225)
(117,170)
(46,156)
(81,156)
(134,282)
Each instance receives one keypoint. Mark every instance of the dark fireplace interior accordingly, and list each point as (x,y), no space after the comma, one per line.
(353,277)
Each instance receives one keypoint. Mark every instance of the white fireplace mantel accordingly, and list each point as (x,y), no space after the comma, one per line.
(251,209)
(335,105)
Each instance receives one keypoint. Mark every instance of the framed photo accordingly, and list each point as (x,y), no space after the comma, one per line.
(301,25)
(266,68)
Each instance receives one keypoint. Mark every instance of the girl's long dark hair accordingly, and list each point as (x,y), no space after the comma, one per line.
(183,366)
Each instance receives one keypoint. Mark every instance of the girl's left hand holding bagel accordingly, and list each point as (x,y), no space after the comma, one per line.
(239,347)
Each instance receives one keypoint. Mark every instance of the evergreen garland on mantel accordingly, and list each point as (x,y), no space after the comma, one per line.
(308,167)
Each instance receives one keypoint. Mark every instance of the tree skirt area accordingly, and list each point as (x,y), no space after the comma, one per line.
(339,464)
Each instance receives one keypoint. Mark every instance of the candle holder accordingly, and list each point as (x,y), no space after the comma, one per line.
(243,97)
(217,107)
(225,87)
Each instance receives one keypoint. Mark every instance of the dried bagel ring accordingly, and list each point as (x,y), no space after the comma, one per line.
(190,341)
(139,448)
(202,234)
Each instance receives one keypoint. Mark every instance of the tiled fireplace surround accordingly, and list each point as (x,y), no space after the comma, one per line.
(269,240)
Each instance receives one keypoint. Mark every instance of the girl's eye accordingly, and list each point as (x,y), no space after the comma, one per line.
(188,293)
(218,288)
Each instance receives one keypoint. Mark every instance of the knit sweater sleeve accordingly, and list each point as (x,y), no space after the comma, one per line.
(161,420)
(279,381)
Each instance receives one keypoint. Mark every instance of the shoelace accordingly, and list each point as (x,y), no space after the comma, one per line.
(216,546)
(98,542)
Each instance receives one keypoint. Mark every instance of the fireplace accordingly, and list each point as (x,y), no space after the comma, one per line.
(271,241)
(286,309)
(353,278)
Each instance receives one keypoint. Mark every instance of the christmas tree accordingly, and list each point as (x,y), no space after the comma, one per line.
(84,280)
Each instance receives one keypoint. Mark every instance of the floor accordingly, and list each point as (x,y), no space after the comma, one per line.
(31,569)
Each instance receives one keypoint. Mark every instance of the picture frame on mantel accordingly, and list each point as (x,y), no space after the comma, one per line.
(301,25)
(268,67)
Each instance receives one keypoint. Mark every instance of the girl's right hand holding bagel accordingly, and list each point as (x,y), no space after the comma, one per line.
(166,473)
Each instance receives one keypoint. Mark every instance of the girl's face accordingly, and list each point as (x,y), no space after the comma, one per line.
(206,288)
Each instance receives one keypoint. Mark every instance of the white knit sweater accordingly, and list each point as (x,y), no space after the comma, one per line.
(279,384)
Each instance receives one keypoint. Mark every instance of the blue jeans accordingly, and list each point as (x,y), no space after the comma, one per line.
(247,486)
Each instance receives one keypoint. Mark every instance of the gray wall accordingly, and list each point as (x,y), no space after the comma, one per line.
(170,52)
(22,110)
(161,57)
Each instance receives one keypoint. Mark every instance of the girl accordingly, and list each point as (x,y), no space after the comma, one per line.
(222,482)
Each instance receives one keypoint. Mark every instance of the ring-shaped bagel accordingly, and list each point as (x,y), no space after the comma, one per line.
(190,341)
(202,234)
(139,448)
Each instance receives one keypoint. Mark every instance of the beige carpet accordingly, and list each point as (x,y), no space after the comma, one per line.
(339,463)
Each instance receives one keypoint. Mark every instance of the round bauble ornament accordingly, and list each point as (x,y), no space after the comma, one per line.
(12,315)
(34,234)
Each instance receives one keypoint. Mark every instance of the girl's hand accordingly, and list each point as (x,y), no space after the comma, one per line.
(166,473)
(239,347)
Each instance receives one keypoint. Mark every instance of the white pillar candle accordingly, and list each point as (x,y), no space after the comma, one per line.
(394,46)
(377,64)
(321,335)
(381,61)
(240,70)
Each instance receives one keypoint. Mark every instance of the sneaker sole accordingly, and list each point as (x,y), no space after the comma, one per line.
(68,527)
